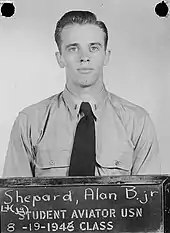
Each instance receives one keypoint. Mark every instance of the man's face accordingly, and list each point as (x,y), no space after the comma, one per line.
(83,54)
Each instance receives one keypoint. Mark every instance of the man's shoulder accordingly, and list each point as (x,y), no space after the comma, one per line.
(126,108)
(42,106)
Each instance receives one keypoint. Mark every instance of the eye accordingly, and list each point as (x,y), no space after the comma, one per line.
(94,48)
(73,49)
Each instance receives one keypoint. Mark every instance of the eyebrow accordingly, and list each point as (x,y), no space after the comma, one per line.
(76,44)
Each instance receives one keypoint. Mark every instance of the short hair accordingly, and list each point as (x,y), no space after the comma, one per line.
(81,18)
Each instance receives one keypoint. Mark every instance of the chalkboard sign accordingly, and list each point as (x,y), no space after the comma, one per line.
(93,204)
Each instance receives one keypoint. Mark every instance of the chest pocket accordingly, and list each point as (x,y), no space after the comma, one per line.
(116,162)
(46,159)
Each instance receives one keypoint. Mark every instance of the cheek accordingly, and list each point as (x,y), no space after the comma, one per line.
(98,62)
(71,61)
(98,58)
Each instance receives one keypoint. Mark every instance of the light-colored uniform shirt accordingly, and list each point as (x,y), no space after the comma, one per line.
(42,137)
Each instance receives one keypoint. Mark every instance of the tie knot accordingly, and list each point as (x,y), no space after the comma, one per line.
(86,108)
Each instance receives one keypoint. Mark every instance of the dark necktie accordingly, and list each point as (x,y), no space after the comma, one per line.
(83,155)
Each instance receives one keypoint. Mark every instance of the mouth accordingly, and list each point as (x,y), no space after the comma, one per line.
(85,70)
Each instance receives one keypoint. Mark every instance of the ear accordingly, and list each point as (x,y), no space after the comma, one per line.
(59,59)
(107,56)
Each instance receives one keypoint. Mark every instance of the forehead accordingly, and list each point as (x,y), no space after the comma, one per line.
(87,33)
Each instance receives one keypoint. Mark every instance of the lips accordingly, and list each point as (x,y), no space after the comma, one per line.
(85,70)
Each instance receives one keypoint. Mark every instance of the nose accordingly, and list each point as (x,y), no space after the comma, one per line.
(84,59)
(84,56)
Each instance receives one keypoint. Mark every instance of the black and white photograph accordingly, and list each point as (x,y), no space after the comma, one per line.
(84,99)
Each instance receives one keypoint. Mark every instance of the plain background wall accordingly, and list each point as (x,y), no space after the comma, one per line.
(139,68)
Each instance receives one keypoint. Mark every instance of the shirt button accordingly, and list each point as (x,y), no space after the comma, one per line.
(51,162)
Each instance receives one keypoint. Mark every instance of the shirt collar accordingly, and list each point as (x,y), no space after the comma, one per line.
(73,102)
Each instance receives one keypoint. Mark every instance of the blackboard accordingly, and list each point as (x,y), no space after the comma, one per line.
(105,204)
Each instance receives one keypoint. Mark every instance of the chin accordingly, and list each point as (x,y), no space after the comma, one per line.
(87,81)
(86,84)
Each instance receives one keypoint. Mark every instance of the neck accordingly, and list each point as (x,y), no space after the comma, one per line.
(82,93)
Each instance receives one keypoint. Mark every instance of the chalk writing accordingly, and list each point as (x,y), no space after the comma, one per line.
(132,193)
(131,212)
(93,213)
(15,196)
(97,226)
(95,194)
(71,209)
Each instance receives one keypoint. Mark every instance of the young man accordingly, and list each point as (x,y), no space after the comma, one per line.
(48,138)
